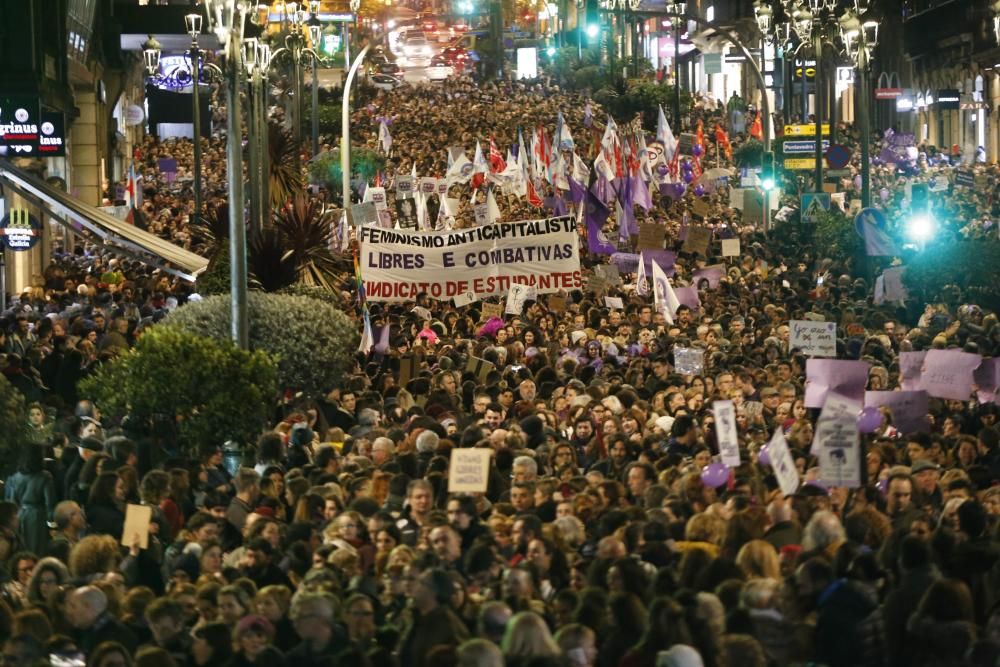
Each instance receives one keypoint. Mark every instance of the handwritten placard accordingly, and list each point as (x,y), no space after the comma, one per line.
(491,310)
(948,373)
(840,376)
(479,367)
(700,208)
(609,272)
(363,214)
(136,528)
(651,235)
(516,296)
(614,302)
(910,365)
(815,339)
(697,240)
(725,432)
(469,470)
(730,247)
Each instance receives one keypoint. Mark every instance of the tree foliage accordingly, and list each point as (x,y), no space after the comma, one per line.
(933,273)
(312,341)
(213,390)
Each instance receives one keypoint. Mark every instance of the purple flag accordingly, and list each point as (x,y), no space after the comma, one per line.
(576,191)
(558,204)
(664,258)
(596,216)
(640,193)
(629,226)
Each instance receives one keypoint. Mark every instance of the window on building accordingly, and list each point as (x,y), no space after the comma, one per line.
(80,27)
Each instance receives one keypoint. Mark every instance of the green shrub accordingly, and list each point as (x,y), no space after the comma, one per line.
(312,342)
(213,390)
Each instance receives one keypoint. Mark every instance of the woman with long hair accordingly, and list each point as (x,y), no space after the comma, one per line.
(527,638)
(109,654)
(33,489)
(105,507)
(212,645)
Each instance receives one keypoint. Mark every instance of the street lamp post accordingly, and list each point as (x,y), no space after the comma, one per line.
(677,9)
(345,130)
(860,37)
(226,18)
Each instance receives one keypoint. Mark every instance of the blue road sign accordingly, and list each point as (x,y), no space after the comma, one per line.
(872,216)
(814,204)
(809,146)
(837,156)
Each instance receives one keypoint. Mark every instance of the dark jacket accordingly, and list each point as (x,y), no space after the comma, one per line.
(106,519)
(106,628)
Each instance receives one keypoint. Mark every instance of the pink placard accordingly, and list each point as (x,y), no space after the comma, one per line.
(844,377)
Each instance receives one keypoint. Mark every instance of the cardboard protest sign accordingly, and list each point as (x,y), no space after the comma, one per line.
(404,186)
(614,302)
(376,195)
(597,284)
(385,219)
(469,470)
(697,241)
(710,274)
(689,360)
(815,339)
(783,463)
(363,214)
(948,373)
(823,376)
(753,207)
(730,247)
(482,213)
(137,518)
(516,296)
(465,299)
(557,303)
(701,209)
(479,367)
(909,408)
(609,272)
(407,369)
(725,432)
(910,365)
(836,443)
(428,185)
(491,310)
(651,235)
(736,197)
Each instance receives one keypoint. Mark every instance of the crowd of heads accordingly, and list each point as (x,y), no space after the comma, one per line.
(597,541)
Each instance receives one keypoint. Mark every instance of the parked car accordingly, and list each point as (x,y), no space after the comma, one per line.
(385,81)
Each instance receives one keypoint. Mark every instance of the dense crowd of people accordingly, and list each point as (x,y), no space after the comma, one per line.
(597,541)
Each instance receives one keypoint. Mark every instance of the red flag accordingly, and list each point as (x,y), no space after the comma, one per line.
(756,129)
(722,138)
(497,163)
(533,197)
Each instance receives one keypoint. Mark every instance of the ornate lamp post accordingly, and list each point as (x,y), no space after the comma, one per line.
(860,36)
(677,11)
(226,19)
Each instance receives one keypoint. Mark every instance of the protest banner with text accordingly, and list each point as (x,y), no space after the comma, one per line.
(397,265)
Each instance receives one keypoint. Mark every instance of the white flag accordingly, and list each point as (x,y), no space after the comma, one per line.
(493,214)
(384,138)
(663,294)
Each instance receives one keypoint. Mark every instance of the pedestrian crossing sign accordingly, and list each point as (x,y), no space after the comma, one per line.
(814,205)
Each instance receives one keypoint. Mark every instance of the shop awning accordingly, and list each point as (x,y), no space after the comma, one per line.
(116,235)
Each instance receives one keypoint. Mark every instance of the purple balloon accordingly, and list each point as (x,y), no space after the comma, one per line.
(662,169)
(688,177)
(697,150)
(679,190)
(687,165)
(715,474)
(869,420)
(764,456)
(699,190)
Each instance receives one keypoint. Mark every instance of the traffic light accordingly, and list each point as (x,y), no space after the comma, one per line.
(767,175)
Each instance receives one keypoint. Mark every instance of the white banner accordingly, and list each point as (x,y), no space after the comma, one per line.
(725,432)
(398,265)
